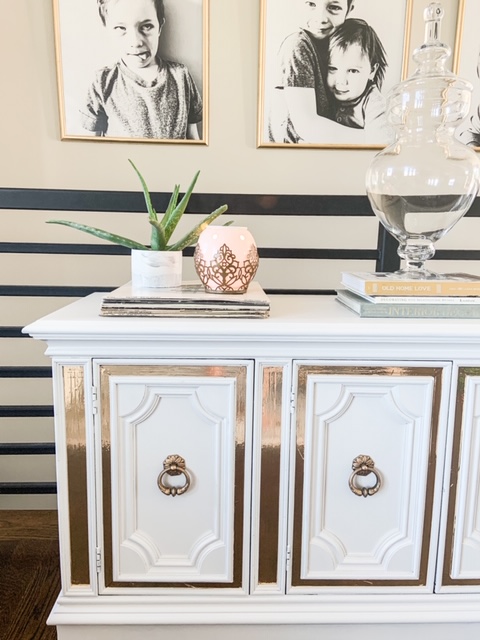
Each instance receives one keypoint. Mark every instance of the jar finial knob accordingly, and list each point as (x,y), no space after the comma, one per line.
(433,15)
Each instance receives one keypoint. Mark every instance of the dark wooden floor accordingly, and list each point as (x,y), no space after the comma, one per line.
(29,574)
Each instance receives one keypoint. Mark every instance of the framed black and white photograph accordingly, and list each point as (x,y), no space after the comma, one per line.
(326,67)
(133,70)
(467,66)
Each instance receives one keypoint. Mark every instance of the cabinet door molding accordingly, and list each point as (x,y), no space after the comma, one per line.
(173,530)
(461,561)
(379,536)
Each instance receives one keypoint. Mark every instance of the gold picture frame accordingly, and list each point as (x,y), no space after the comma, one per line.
(391,22)
(111,85)
(466,64)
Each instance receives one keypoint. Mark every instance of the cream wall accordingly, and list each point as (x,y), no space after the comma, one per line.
(34,156)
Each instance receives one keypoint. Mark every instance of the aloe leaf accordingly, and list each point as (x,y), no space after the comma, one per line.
(152,214)
(171,205)
(158,241)
(173,218)
(158,232)
(100,233)
(192,237)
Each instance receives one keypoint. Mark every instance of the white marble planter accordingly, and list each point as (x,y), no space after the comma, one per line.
(156,269)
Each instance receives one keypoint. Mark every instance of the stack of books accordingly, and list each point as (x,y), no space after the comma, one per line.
(389,295)
(187,301)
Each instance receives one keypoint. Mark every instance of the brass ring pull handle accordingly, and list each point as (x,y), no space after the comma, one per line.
(363,466)
(173,466)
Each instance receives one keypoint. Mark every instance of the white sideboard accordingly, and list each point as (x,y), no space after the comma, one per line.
(313,474)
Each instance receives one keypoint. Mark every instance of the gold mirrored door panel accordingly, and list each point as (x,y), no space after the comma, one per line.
(350,517)
(461,563)
(192,420)
(272,389)
(73,381)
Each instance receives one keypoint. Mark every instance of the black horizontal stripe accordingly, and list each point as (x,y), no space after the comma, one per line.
(319,254)
(27,448)
(457,254)
(50,291)
(28,488)
(63,249)
(25,372)
(265,252)
(12,332)
(203,203)
(26,411)
(301,292)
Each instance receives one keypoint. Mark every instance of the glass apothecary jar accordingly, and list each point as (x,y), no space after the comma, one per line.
(423,183)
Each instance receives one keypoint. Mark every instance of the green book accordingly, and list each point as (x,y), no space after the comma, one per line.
(366,309)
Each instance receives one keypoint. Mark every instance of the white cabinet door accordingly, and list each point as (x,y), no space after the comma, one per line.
(461,560)
(165,525)
(366,497)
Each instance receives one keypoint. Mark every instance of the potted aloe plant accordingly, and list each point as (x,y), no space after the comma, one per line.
(160,264)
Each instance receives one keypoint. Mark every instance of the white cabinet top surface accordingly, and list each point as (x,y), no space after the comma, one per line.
(292,318)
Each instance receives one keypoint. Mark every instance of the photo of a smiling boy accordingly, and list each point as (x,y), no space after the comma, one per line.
(141,95)
(324,75)
(356,69)
(300,87)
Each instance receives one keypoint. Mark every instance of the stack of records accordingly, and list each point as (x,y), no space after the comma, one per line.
(187,301)
(390,295)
